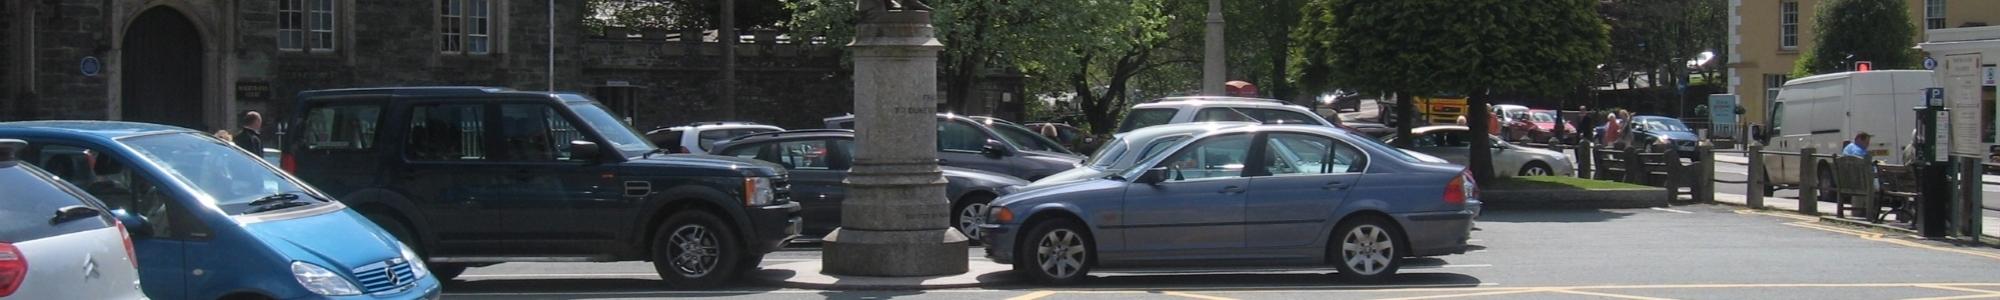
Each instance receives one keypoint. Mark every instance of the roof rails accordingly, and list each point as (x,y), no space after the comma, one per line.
(1217,98)
(723,123)
(779,133)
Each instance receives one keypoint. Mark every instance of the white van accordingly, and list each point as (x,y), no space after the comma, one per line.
(1824,111)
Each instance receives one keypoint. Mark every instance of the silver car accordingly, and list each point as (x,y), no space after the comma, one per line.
(57,242)
(1454,144)
(1261,196)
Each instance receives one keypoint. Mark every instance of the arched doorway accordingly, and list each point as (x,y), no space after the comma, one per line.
(162,70)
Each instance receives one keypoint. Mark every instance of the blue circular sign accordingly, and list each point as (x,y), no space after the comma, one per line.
(1930,63)
(91,66)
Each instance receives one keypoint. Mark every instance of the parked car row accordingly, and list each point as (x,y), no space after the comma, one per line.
(384,192)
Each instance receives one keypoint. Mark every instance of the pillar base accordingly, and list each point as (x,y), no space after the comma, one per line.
(895,253)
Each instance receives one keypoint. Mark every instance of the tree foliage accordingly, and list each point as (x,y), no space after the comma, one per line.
(1658,37)
(1484,46)
(1879,31)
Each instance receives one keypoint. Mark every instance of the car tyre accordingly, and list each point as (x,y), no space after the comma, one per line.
(1366,249)
(1537,168)
(1056,252)
(402,232)
(696,250)
(968,213)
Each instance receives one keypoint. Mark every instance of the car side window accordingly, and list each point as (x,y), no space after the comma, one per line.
(1216,157)
(812,154)
(447,132)
(961,137)
(535,132)
(341,127)
(1304,154)
(120,187)
(31,200)
(1272,116)
(1224,114)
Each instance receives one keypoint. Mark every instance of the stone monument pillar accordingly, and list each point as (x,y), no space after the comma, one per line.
(895,221)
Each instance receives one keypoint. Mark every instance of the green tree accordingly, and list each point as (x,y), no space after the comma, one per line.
(1485,46)
(1878,31)
(683,14)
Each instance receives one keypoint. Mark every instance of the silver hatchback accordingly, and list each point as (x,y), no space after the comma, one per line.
(57,242)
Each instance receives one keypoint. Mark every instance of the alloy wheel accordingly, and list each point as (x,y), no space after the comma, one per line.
(697,250)
(1060,253)
(1366,249)
(969,219)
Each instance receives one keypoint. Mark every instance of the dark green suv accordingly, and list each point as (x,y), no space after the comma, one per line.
(473,176)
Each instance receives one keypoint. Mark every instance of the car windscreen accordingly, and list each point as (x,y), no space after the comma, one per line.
(216,169)
(32,199)
(1118,155)
(621,137)
(1026,139)
(1146,117)
(1543,116)
(711,137)
(1664,124)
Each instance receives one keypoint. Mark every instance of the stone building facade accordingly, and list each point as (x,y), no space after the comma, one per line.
(198,63)
(1767,36)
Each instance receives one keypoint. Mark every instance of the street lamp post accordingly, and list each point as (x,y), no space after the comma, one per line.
(1212,66)
(895,220)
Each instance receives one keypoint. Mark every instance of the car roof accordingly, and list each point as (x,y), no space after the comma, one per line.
(1157,131)
(849,117)
(1214,101)
(1439,127)
(1652,117)
(793,134)
(102,129)
(409,92)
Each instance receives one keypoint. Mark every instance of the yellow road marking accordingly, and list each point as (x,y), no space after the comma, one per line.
(1515,291)
(1608,295)
(1034,295)
(1879,237)
(1780,215)
(1196,296)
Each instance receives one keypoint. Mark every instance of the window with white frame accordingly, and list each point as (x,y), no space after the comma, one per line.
(465,26)
(1933,14)
(306,25)
(1788,25)
(1773,83)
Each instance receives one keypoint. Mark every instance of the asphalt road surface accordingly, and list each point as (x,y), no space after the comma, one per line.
(1688,252)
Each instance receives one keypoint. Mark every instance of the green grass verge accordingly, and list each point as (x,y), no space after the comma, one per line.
(1558,183)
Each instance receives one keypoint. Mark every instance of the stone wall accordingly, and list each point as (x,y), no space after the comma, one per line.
(786,84)
(65,32)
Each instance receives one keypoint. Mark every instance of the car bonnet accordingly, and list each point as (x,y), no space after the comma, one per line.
(339,241)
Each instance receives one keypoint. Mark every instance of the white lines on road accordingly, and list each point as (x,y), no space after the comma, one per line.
(1672,210)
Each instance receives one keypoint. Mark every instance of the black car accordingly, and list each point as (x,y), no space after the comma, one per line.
(818,161)
(473,176)
(992,145)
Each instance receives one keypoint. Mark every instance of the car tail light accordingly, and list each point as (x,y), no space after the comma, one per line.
(127,236)
(13,269)
(1461,187)
(285,161)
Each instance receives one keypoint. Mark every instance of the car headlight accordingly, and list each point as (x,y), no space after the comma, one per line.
(757,191)
(417,267)
(318,280)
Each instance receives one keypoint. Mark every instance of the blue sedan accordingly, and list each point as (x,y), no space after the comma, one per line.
(1256,196)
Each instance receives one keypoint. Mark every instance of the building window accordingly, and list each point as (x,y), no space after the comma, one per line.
(1933,14)
(306,24)
(465,26)
(1772,83)
(1788,25)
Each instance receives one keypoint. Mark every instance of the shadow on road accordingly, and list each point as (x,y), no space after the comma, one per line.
(1266,281)
(594,285)
(1550,216)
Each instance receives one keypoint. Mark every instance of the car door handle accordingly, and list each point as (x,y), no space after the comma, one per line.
(1231,190)
(1334,186)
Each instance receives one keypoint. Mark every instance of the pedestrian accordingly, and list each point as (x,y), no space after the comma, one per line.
(1239,88)
(223,134)
(247,137)
(1614,128)
(1857,148)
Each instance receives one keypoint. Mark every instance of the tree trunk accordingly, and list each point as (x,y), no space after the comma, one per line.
(1482,150)
(1405,109)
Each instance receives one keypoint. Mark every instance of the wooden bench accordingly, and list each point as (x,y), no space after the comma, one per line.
(1854,186)
(1900,192)
(1610,164)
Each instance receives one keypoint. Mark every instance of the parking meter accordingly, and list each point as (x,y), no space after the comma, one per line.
(1933,165)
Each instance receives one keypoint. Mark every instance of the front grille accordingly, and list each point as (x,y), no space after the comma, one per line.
(1445,109)
(781,189)
(385,276)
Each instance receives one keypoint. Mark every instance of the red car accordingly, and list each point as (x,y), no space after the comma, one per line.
(1545,123)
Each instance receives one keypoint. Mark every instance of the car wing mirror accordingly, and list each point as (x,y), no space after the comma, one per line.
(586,150)
(1153,176)
(135,225)
(995,148)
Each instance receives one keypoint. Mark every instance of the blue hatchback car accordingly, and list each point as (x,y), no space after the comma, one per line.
(211,221)
(1257,196)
